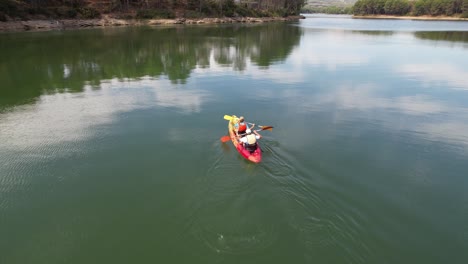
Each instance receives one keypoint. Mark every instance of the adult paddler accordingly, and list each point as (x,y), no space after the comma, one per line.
(250,140)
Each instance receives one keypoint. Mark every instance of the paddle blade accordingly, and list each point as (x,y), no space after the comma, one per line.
(228,117)
(225,138)
(270,128)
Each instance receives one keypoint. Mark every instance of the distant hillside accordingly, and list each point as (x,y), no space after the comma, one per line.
(328,6)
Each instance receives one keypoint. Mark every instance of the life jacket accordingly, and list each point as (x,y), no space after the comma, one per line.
(242,128)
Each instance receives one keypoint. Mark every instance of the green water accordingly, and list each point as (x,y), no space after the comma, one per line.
(110,150)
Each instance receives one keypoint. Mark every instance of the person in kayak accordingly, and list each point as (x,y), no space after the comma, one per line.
(250,140)
(241,127)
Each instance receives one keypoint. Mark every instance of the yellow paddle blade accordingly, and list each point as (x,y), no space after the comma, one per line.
(228,117)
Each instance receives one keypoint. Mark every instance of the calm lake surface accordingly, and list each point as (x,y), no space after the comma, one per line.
(110,150)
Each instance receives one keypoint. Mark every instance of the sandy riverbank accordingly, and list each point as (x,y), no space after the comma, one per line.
(107,21)
(439,18)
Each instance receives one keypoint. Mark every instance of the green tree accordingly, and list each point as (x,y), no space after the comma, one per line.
(357,8)
(397,7)
(379,7)
(448,6)
(465,8)
(457,6)
(369,7)
(421,7)
(437,7)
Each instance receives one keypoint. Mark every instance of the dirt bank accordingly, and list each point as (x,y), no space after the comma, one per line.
(107,21)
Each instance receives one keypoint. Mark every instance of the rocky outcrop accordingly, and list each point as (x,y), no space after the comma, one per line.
(106,21)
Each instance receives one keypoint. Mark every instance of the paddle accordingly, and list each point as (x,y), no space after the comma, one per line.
(270,128)
(227,138)
(228,117)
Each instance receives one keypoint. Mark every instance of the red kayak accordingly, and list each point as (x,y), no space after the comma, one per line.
(255,156)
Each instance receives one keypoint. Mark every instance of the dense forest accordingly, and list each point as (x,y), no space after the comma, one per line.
(408,7)
(457,8)
(59,9)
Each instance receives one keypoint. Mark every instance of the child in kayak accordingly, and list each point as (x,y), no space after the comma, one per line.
(241,127)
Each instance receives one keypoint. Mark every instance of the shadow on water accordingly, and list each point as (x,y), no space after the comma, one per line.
(49,62)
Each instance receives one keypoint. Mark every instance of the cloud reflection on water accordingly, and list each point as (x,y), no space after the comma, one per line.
(365,97)
(421,114)
(62,117)
(444,74)
(418,111)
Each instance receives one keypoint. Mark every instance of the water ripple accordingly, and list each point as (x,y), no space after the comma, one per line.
(323,220)
(237,239)
(227,217)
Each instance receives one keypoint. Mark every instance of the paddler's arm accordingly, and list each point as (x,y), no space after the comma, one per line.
(257,134)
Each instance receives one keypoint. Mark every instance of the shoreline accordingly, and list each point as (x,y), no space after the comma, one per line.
(430,18)
(108,21)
